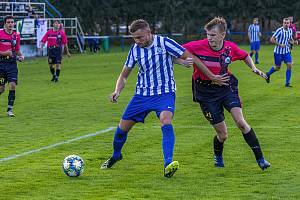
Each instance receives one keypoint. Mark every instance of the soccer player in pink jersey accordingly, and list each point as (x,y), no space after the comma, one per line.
(56,39)
(216,54)
(9,54)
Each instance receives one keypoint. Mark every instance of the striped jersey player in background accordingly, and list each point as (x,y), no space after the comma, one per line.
(282,38)
(155,89)
(254,35)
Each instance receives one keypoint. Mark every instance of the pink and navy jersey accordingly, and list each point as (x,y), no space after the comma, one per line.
(216,61)
(9,42)
(55,38)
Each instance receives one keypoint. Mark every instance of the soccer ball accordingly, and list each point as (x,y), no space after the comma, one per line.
(73,165)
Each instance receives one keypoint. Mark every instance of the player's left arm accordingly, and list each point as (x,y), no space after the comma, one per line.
(18,52)
(248,60)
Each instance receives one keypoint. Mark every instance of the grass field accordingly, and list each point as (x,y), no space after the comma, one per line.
(48,113)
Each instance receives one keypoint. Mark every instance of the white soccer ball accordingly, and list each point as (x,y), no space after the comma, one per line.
(73,165)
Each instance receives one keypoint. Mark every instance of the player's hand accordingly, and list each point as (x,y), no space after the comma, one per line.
(260,73)
(188,62)
(21,58)
(282,45)
(221,79)
(114,96)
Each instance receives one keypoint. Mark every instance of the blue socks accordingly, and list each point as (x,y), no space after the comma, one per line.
(256,57)
(271,71)
(168,142)
(119,140)
(288,75)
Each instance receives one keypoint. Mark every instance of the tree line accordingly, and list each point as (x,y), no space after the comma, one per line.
(173,16)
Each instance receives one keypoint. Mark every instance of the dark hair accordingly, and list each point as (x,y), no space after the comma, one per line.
(56,20)
(138,24)
(286,19)
(219,22)
(8,17)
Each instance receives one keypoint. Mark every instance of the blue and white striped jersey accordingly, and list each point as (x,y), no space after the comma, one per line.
(282,37)
(155,75)
(254,32)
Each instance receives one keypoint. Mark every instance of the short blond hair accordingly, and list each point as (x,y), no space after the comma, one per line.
(218,22)
(138,24)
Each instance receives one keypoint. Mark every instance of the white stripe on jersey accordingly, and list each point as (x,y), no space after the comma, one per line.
(254,33)
(283,37)
(156,74)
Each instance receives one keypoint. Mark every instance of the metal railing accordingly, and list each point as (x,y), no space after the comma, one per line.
(21,9)
(71,27)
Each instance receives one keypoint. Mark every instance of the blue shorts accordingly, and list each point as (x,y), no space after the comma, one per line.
(286,58)
(140,106)
(255,46)
(8,72)
(54,55)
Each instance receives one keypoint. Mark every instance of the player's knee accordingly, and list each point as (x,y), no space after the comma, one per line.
(12,86)
(165,120)
(223,137)
(242,125)
(277,68)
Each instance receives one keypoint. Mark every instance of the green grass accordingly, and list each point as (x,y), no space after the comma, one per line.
(77,105)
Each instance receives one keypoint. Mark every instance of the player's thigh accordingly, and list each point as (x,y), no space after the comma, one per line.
(137,109)
(277,60)
(238,117)
(232,99)
(257,46)
(12,74)
(212,111)
(287,58)
(164,106)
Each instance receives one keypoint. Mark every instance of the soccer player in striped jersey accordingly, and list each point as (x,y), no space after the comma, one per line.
(282,38)
(155,89)
(254,35)
(217,54)
(9,54)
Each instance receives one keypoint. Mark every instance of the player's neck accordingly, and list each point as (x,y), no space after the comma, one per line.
(8,31)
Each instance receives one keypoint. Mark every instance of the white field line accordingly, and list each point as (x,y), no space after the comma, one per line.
(55,145)
(208,126)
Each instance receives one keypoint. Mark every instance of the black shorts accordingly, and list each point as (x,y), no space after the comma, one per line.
(213,99)
(54,55)
(8,72)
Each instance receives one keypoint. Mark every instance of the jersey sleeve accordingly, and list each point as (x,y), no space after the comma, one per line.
(130,61)
(237,53)
(276,34)
(249,28)
(45,37)
(173,47)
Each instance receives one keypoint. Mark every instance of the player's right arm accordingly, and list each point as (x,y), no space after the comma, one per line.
(249,34)
(274,37)
(120,84)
